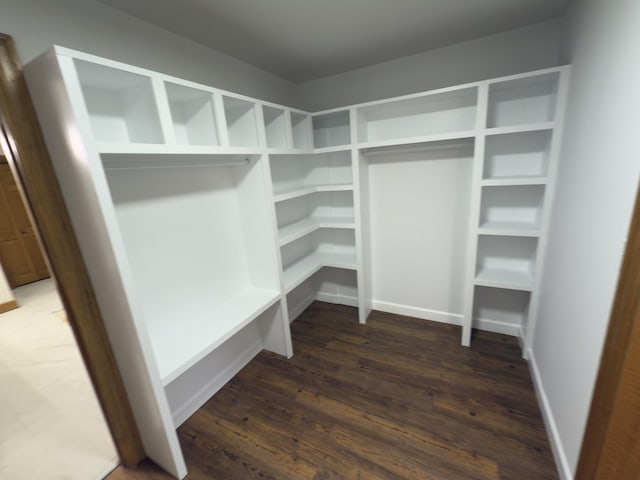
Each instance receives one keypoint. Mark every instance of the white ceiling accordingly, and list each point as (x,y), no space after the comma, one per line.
(302,40)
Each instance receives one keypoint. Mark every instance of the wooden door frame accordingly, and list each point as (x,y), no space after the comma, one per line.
(28,158)
(611,445)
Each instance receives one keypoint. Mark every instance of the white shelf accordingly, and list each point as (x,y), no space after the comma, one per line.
(124,161)
(421,141)
(504,278)
(155,149)
(339,148)
(301,270)
(527,127)
(197,335)
(516,229)
(433,114)
(296,192)
(289,151)
(514,181)
(306,226)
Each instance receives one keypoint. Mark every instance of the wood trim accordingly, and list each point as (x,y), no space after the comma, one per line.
(611,445)
(8,306)
(24,147)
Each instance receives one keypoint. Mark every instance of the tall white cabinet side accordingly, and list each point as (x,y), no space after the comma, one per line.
(58,99)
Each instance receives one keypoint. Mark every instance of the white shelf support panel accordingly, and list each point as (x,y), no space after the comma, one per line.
(474,214)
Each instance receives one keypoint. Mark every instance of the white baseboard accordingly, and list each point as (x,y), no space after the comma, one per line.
(496,326)
(418,312)
(562,464)
(294,312)
(410,311)
(189,407)
(337,299)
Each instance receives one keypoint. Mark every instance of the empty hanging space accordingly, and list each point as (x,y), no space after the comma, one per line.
(511,210)
(275,127)
(192,115)
(298,175)
(418,213)
(241,122)
(331,129)
(449,113)
(303,215)
(196,240)
(501,310)
(506,262)
(121,105)
(514,156)
(525,101)
(301,130)
(333,285)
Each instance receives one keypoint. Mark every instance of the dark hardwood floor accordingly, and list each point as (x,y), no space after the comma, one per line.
(398,398)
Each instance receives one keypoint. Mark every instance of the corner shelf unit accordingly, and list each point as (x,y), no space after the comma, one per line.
(209,220)
(517,160)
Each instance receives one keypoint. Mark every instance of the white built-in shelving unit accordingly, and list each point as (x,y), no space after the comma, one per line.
(210,220)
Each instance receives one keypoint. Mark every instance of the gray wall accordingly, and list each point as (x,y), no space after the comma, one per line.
(597,180)
(515,51)
(95,28)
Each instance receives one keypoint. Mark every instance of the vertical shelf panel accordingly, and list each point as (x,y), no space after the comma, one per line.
(121,105)
(193,116)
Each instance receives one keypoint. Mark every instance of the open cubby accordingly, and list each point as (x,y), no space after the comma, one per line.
(195,286)
(301,130)
(192,114)
(300,216)
(275,127)
(121,105)
(334,285)
(517,155)
(500,306)
(241,122)
(331,129)
(512,207)
(439,113)
(523,101)
(322,248)
(292,172)
(506,262)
